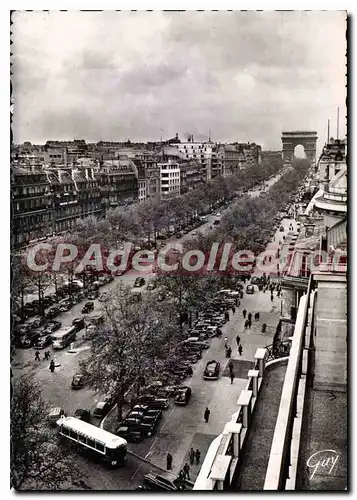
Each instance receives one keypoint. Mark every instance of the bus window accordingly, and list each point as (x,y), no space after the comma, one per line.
(100,447)
(82,438)
(91,443)
(74,435)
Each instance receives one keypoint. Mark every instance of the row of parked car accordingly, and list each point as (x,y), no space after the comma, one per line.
(138,423)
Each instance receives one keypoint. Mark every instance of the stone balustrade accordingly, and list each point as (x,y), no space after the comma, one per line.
(222,458)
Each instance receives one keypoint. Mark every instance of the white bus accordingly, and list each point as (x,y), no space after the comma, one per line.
(63,337)
(89,438)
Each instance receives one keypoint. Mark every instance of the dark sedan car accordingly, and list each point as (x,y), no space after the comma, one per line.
(77,381)
(82,414)
(153,402)
(51,327)
(183,395)
(79,323)
(53,312)
(250,289)
(212,370)
(88,307)
(166,481)
(43,342)
(139,282)
(129,434)
(93,295)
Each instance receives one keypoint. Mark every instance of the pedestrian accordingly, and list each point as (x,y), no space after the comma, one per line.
(226,315)
(229,352)
(278,293)
(230,366)
(231,376)
(206,414)
(226,342)
(236,301)
(181,475)
(52,366)
(249,323)
(240,349)
(233,309)
(271,296)
(192,456)
(219,332)
(244,313)
(256,316)
(238,339)
(169,461)
(37,356)
(198,456)
(249,316)
(246,323)
(186,470)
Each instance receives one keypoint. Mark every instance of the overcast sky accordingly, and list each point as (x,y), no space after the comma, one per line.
(116,75)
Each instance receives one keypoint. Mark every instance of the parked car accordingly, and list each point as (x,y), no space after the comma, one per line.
(212,370)
(53,312)
(88,307)
(216,222)
(139,282)
(66,305)
(183,395)
(55,414)
(166,481)
(79,323)
(82,414)
(30,339)
(51,327)
(255,280)
(43,342)
(101,409)
(129,434)
(151,285)
(77,381)
(146,429)
(93,295)
(153,402)
(250,289)
(37,322)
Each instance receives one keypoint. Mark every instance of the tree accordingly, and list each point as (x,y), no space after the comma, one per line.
(36,460)
(132,337)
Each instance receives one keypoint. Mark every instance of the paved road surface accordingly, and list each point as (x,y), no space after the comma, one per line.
(182,427)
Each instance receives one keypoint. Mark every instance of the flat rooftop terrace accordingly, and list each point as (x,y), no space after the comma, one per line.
(256,451)
(323,453)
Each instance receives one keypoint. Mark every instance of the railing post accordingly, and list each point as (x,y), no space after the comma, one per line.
(260,355)
(244,400)
(220,469)
(235,430)
(254,374)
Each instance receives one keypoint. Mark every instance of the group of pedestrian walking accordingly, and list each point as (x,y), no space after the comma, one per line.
(195,456)
(248,321)
(46,355)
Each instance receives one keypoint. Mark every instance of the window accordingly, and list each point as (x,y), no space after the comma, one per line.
(65,431)
(82,438)
(73,434)
(100,447)
(91,443)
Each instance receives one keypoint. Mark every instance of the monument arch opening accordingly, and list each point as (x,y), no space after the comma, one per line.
(299,151)
(303,138)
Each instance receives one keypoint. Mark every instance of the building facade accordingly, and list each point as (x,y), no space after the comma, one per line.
(169,179)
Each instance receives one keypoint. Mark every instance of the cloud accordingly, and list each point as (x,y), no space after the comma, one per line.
(114,75)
